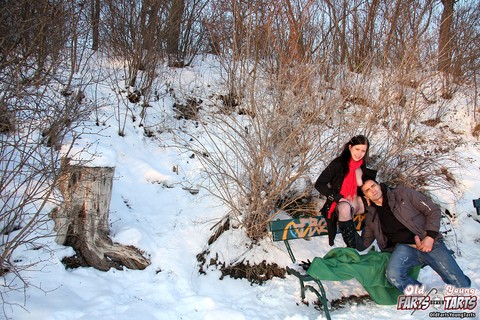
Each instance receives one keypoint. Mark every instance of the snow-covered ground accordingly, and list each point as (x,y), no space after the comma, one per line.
(152,210)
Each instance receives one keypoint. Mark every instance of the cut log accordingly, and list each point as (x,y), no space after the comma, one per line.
(82,220)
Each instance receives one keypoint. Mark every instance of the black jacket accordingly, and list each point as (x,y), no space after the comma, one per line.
(329,184)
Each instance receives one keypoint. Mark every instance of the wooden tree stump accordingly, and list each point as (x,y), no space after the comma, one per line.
(82,219)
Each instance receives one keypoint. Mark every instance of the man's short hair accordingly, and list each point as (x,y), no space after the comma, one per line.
(360,190)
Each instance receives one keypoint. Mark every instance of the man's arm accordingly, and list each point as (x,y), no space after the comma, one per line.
(429,209)
(363,241)
(432,214)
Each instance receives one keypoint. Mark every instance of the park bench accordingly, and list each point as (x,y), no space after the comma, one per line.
(476,204)
(304,228)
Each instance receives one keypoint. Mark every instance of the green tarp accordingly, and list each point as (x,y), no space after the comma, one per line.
(369,269)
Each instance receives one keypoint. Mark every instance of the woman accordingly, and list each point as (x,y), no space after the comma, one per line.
(339,183)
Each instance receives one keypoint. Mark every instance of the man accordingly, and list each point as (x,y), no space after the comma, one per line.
(406,223)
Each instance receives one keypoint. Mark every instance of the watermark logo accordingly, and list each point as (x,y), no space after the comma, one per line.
(452,302)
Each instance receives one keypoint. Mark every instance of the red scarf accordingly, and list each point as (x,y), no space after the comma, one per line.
(349,184)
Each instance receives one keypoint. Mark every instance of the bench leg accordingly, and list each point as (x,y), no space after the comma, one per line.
(302,289)
(323,299)
(322,296)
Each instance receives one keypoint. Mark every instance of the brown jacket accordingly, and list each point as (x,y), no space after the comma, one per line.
(413,209)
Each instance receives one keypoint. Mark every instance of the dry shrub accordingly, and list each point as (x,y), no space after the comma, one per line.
(259,162)
(476,131)
(354,96)
(421,172)
(189,110)
(252,163)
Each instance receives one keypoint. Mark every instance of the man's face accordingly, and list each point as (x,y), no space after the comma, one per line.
(372,190)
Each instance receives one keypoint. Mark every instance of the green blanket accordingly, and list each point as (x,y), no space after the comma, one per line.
(369,269)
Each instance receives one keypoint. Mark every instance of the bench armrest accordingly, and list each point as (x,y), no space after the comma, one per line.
(297,270)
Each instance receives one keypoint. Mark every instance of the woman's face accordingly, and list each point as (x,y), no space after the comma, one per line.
(358,151)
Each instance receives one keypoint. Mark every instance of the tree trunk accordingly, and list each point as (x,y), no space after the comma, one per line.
(296,47)
(444,41)
(95,14)
(82,220)
(174,30)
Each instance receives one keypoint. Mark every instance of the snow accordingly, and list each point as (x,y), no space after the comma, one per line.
(153,210)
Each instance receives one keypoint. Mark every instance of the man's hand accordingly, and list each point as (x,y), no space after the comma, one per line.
(425,245)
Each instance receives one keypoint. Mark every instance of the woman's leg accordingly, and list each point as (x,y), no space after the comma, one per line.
(347,209)
(345,223)
(359,205)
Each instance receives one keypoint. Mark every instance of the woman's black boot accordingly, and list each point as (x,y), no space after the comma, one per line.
(347,228)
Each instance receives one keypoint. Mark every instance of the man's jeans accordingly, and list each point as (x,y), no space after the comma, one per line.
(440,259)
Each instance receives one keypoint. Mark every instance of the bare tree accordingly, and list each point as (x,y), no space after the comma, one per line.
(465,41)
(173,31)
(445,37)
(356,31)
(133,33)
(40,119)
(95,6)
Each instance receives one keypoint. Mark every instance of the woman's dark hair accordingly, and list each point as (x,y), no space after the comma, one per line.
(345,155)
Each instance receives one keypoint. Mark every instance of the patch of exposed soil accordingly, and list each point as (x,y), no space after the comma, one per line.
(256,273)
(344,301)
